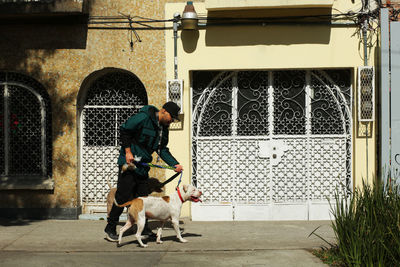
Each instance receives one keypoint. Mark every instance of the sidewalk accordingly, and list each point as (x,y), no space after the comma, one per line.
(81,243)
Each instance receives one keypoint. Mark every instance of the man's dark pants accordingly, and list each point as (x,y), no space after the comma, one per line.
(130,185)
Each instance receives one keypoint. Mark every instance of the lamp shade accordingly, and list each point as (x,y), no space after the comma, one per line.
(189,17)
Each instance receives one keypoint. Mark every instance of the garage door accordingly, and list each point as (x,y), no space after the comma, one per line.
(270,145)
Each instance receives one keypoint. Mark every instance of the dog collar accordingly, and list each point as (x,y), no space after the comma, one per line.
(179,194)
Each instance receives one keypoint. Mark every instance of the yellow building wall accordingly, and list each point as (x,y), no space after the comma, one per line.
(269,47)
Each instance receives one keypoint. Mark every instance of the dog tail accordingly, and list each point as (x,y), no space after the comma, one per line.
(108,182)
(123,205)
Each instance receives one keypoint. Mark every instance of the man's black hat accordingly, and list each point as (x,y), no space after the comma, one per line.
(173,109)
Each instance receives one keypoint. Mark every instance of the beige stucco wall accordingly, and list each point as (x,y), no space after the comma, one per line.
(269,47)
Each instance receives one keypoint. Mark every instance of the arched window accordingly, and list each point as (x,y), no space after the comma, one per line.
(25,129)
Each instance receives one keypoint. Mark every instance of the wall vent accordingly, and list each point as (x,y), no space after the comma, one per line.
(366,94)
(175,92)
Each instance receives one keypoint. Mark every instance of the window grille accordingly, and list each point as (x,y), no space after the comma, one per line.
(175,92)
(25,127)
(110,101)
(366,94)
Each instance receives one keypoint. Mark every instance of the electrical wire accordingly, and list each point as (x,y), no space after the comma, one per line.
(127,22)
(324,16)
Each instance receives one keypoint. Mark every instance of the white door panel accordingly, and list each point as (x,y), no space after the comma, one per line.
(249,212)
(212,212)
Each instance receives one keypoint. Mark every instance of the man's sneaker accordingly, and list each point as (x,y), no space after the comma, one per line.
(111,233)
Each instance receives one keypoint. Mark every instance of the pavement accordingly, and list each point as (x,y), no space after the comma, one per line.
(237,243)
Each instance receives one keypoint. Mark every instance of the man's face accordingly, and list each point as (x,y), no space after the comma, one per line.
(165,118)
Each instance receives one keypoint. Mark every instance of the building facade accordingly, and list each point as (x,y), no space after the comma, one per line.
(271,106)
(270,127)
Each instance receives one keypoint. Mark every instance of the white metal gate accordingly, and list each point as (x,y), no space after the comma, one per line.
(110,101)
(270,145)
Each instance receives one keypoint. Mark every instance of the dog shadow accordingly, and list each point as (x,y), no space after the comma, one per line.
(154,226)
(150,239)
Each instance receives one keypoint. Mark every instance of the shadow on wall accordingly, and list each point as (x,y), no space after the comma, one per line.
(266,34)
(25,48)
(44,36)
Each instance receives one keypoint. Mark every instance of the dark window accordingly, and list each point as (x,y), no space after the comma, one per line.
(25,127)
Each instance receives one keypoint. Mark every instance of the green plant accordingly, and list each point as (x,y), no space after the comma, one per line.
(329,256)
(367,226)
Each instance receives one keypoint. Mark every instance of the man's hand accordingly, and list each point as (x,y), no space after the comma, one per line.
(178,168)
(128,155)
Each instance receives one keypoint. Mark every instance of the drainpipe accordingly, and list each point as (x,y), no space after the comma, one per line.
(177,17)
(364,30)
(364,33)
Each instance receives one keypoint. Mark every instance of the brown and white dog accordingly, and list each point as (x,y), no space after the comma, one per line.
(160,208)
(154,185)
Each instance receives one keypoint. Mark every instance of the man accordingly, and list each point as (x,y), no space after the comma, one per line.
(141,135)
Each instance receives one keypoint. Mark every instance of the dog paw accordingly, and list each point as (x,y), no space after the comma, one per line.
(119,245)
(159,242)
(144,246)
(183,240)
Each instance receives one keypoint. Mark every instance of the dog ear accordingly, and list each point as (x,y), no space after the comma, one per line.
(185,187)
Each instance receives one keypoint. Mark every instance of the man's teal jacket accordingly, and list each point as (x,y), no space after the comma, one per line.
(141,133)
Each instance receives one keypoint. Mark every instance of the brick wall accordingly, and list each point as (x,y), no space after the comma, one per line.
(61,56)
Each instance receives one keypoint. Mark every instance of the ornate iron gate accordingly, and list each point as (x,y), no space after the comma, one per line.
(110,101)
(270,145)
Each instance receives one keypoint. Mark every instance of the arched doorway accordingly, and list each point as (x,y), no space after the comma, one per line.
(110,98)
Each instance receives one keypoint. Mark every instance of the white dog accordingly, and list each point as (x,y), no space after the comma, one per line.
(160,208)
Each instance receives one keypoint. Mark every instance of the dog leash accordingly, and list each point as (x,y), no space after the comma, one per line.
(170,179)
(164,167)
(180,179)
